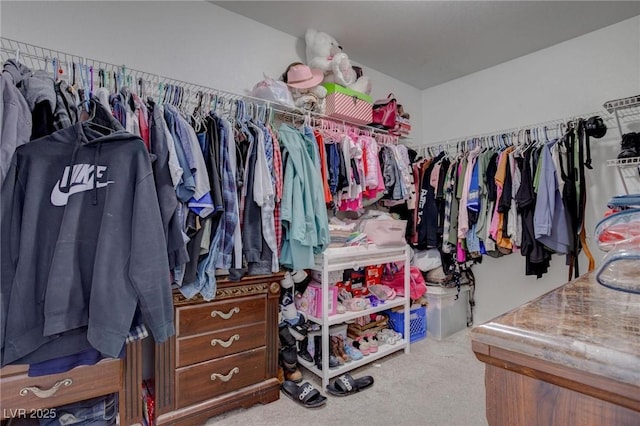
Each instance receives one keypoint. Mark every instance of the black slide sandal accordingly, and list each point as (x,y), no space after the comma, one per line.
(347,385)
(305,394)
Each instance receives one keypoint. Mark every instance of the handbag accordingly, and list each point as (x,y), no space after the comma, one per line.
(417,286)
(386,232)
(385,112)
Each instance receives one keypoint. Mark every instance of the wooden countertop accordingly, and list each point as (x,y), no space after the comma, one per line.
(580,326)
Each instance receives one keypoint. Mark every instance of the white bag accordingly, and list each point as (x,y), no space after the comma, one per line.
(426,260)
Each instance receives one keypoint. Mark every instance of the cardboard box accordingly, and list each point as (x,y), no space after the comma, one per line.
(373,275)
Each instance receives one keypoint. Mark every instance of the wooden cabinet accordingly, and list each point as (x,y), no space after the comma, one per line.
(224,355)
(569,357)
(122,376)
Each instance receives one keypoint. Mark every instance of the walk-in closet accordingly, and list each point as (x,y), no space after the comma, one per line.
(359,212)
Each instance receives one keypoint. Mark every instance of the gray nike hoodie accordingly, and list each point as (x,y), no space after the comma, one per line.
(82,245)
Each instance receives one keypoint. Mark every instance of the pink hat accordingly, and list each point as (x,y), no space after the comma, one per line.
(302,77)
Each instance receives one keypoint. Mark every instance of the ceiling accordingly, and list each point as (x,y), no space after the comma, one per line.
(426,43)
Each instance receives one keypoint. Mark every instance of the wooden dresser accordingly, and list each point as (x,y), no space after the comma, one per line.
(224,355)
(32,397)
(569,357)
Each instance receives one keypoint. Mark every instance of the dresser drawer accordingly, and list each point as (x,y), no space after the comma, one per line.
(220,315)
(204,347)
(212,378)
(23,392)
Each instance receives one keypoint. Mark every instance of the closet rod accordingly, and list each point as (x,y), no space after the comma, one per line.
(42,58)
(554,129)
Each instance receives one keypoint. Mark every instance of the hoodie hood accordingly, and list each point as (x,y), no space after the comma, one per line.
(35,86)
(17,71)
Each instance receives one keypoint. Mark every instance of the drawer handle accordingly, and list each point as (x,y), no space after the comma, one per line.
(227,315)
(224,378)
(227,343)
(45,393)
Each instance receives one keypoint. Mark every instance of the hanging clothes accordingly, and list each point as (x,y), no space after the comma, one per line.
(537,257)
(550,221)
(15,120)
(126,267)
(159,146)
(304,216)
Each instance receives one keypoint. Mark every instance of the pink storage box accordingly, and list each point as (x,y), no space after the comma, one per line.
(333,299)
(347,104)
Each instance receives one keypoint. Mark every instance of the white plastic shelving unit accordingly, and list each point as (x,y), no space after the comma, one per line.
(339,259)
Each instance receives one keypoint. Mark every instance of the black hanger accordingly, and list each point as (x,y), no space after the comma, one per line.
(93,105)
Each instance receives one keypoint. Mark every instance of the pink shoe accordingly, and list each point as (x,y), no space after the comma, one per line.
(362,345)
(373,343)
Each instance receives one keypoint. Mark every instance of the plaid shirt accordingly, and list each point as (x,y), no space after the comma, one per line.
(229,217)
(66,112)
(267,205)
(277,174)
(447,247)
(138,332)
(243,192)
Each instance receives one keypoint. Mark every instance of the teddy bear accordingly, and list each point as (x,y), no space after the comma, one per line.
(304,85)
(325,53)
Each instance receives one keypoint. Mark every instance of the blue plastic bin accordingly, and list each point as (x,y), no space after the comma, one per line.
(417,323)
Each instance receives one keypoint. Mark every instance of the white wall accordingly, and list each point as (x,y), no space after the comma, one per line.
(569,79)
(194,41)
(205,44)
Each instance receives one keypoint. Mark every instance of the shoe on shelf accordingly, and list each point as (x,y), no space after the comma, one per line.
(303,350)
(301,280)
(362,345)
(317,355)
(373,343)
(386,336)
(354,353)
(286,338)
(280,374)
(294,375)
(289,356)
(339,348)
(630,145)
(298,327)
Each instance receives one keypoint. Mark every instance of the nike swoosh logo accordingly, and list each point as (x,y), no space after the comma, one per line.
(60,198)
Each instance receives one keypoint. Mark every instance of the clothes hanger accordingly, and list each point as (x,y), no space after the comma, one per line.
(86,83)
(546,135)
(90,71)
(159,94)
(179,95)
(139,87)
(182,98)
(172,95)
(93,105)
(168,93)
(73,73)
(54,62)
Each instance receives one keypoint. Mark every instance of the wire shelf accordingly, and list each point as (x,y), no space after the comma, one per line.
(41,58)
(624,103)
(624,162)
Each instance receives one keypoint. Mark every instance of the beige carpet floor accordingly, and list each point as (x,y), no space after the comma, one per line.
(437,383)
